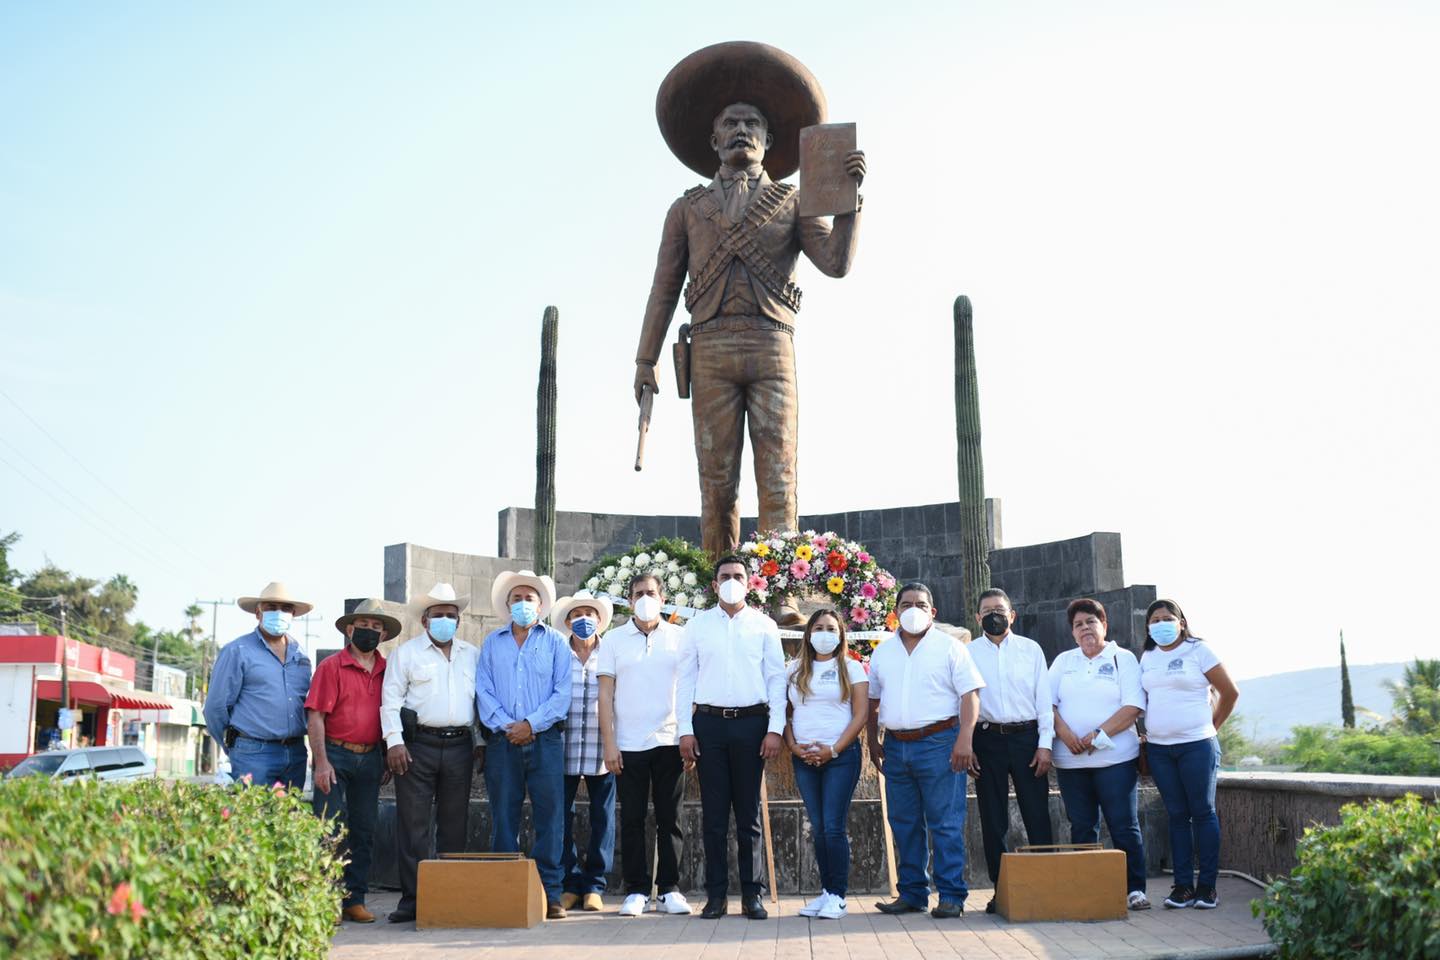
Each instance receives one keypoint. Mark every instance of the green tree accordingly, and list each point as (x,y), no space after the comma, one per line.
(1322,749)
(94,610)
(9,576)
(1416,698)
(1347,700)
(1234,745)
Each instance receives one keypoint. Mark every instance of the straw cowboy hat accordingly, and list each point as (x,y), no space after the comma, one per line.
(275,592)
(697,88)
(439,594)
(583,598)
(374,610)
(510,579)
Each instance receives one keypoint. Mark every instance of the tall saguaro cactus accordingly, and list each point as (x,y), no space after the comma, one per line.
(974,537)
(544,546)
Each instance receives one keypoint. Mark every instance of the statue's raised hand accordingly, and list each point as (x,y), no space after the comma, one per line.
(645,376)
(855,165)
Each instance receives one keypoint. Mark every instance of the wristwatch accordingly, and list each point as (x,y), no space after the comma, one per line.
(833,752)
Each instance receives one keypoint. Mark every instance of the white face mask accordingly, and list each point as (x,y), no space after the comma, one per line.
(647,608)
(732,591)
(915,620)
(825,642)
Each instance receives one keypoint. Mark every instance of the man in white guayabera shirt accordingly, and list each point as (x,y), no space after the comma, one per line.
(639,671)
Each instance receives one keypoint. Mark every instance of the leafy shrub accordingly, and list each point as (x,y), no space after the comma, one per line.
(159,870)
(1367,887)
(1373,751)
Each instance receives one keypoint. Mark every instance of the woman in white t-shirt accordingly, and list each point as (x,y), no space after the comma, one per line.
(829,698)
(1096,691)
(1177,671)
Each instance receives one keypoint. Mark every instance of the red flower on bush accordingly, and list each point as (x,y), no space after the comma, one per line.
(224,813)
(769,568)
(837,562)
(124,899)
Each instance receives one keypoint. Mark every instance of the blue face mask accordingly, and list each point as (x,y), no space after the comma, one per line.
(442,629)
(524,612)
(275,622)
(1165,632)
(584,627)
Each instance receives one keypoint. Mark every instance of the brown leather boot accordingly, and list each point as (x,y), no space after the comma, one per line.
(357,913)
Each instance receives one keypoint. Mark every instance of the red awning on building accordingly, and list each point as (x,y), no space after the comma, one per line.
(88,691)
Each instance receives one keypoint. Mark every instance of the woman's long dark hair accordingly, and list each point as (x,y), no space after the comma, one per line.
(807,656)
(1174,608)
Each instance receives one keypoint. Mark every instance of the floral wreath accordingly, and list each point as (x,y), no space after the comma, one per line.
(842,571)
(685,571)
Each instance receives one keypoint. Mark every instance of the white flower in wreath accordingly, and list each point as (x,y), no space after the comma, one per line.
(609,572)
(747,547)
(673,583)
(673,566)
(777,544)
(642,560)
(625,562)
(616,589)
(661,556)
(681,599)
(762,595)
(593,584)
(780,581)
(689,579)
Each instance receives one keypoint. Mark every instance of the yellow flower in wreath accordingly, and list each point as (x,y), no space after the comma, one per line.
(804,552)
(835,584)
(762,549)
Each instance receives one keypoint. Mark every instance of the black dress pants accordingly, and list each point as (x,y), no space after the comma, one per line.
(438,783)
(655,775)
(1003,758)
(730,768)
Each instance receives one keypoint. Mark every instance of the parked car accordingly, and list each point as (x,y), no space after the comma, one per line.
(100,763)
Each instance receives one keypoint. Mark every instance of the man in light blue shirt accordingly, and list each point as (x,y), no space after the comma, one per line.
(522,695)
(255,707)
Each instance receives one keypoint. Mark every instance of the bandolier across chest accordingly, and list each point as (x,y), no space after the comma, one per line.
(740,241)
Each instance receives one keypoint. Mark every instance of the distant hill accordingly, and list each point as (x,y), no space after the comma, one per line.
(1269,706)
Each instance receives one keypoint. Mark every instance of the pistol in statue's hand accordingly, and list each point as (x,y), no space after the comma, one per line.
(855,165)
(645,376)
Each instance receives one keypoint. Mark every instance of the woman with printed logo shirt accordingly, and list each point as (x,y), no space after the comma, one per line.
(1177,670)
(1096,691)
(829,699)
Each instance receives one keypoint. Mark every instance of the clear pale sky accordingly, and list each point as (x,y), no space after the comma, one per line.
(274,276)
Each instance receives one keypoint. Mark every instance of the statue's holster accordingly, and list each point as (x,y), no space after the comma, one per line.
(682,362)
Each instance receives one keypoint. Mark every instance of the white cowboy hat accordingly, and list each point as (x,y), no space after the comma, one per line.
(440,593)
(374,610)
(583,598)
(275,592)
(510,579)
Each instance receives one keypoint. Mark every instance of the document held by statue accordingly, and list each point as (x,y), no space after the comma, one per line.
(826,188)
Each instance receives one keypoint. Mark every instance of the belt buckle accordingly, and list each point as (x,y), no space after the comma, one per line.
(729,713)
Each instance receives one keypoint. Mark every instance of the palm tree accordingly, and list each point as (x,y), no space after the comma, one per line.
(1416,697)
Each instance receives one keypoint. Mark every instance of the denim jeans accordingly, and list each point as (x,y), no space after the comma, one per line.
(267,763)
(1092,791)
(1185,776)
(826,791)
(354,804)
(926,800)
(589,876)
(539,766)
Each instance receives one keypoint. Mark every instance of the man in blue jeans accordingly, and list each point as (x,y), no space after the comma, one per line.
(924,690)
(255,707)
(522,694)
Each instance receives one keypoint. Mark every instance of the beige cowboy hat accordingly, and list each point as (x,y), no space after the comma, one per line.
(376,611)
(440,593)
(275,592)
(582,598)
(510,579)
(741,71)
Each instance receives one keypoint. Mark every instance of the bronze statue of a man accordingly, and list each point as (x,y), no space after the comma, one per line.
(738,239)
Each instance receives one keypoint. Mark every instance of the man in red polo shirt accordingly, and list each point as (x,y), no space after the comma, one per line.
(344,723)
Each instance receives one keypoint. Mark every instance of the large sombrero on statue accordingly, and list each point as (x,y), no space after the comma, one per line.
(739,71)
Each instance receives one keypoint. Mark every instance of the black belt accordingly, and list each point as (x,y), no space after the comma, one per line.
(1004,729)
(284,742)
(445,733)
(731,713)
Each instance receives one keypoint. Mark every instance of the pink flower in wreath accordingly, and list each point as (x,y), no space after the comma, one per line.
(800,569)
(757,582)
(820,542)
(859,615)
(868,591)
(885,580)
(863,557)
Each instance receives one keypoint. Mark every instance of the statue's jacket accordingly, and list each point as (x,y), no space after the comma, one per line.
(699,243)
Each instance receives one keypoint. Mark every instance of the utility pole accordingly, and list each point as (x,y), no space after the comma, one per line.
(306,620)
(215,606)
(67,735)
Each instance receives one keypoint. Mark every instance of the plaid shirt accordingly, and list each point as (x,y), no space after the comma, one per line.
(584,751)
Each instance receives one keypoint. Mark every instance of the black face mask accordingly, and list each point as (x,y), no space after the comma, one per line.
(365,639)
(995,623)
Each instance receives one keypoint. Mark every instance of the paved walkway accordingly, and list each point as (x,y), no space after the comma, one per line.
(865,934)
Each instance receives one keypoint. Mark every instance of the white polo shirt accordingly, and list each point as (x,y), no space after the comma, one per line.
(1017,685)
(1087,691)
(1178,693)
(821,716)
(731,662)
(923,686)
(646,671)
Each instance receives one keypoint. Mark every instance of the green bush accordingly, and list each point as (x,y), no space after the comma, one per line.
(1367,887)
(159,870)
(1372,751)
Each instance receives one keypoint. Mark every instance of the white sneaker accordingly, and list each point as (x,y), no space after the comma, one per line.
(634,905)
(833,909)
(673,902)
(813,907)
